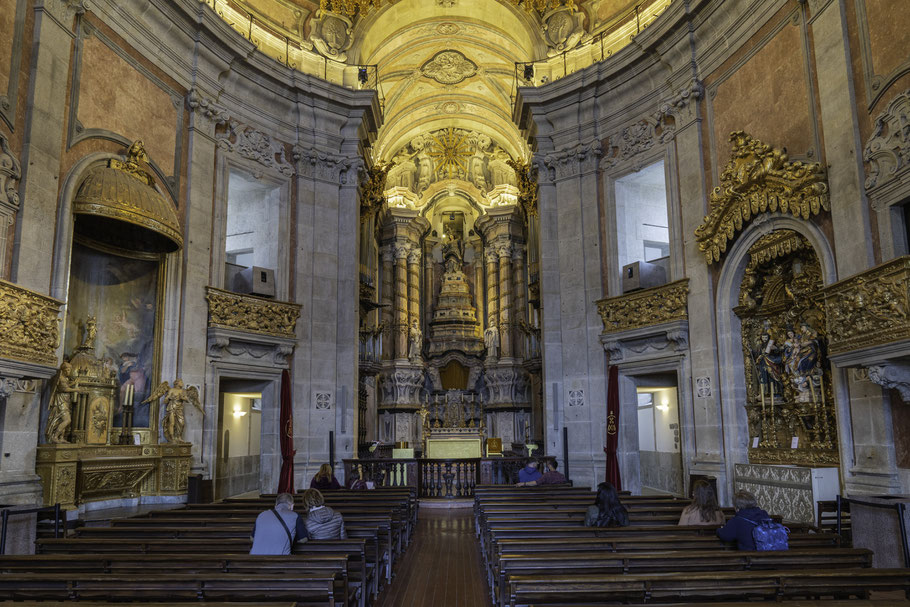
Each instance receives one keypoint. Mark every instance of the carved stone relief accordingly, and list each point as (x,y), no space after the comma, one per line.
(888,150)
(448,67)
(255,145)
(562,29)
(332,35)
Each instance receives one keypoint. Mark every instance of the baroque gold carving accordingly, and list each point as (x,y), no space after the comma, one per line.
(371,197)
(645,308)
(251,314)
(29,328)
(175,400)
(758,179)
(871,308)
(526,176)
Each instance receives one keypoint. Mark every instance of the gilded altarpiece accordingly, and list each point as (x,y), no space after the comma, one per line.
(789,398)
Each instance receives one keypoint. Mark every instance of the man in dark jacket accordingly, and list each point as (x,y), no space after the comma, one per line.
(739,528)
(277,529)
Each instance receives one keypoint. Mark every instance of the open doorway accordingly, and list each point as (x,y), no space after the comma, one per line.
(659,434)
(238,453)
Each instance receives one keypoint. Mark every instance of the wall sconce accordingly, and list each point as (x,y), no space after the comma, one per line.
(664,405)
(238,412)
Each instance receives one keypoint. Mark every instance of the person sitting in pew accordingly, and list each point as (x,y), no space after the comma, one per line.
(704,509)
(322,523)
(748,515)
(607,510)
(325,479)
(550,477)
(361,482)
(528,473)
(276,529)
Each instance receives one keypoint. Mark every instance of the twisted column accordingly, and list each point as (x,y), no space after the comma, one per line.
(388,257)
(492,287)
(521,298)
(401,299)
(505,300)
(414,285)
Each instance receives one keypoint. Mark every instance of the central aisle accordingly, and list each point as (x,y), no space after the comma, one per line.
(442,566)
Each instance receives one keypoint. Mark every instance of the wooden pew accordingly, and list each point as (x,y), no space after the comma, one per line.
(708,586)
(305,589)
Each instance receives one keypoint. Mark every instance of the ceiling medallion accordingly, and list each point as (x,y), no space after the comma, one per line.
(447,29)
(448,67)
(451,152)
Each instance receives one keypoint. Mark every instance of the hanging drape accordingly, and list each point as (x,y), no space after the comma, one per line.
(286,421)
(613,428)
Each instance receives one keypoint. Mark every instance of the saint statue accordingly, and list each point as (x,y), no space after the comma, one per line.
(491,339)
(90,330)
(768,362)
(60,415)
(175,401)
(415,335)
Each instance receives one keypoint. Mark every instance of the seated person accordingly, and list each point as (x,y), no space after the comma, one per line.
(325,479)
(704,509)
(361,482)
(550,477)
(276,529)
(529,473)
(748,515)
(322,523)
(607,511)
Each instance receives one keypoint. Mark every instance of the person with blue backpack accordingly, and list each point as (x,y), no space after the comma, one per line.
(752,528)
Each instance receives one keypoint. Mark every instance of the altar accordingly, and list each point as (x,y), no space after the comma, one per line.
(454,443)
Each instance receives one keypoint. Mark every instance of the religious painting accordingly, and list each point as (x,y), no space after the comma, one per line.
(789,397)
(122,294)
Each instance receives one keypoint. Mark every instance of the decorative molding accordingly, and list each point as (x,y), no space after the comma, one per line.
(892,376)
(580,159)
(448,67)
(249,349)
(703,387)
(645,308)
(10,174)
(254,145)
(324,166)
(576,398)
(758,179)
(323,401)
(205,107)
(400,386)
(887,151)
(251,314)
(869,309)
(332,34)
(682,105)
(29,325)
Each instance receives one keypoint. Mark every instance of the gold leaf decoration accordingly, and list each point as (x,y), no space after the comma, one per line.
(758,179)
(29,326)
(869,309)
(251,314)
(645,308)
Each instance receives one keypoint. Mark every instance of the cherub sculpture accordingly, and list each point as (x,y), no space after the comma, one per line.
(175,401)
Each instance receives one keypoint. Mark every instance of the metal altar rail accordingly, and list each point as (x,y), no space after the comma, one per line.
(439,478)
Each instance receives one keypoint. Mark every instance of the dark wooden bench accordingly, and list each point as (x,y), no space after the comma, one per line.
(676,561)
(705,587)
(304,589)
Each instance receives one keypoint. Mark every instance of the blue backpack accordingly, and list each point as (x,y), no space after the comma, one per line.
(769,535)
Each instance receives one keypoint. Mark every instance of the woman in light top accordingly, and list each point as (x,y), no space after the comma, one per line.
(704,509)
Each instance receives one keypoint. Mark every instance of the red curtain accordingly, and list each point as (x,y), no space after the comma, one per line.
(613,428)
(286,480)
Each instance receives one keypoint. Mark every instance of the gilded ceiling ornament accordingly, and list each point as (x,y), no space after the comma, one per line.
(448,67)
(645,308)
(758,179)
(371,191)
(869,309)
(562,28)
(447,29)
(542,6)
(349,8)
(29,326)
(450,151)
(251,314)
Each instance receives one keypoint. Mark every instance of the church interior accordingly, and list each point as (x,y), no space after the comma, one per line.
(658,244)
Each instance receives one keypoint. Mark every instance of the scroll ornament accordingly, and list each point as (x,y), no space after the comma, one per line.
(758,179)
(645,308)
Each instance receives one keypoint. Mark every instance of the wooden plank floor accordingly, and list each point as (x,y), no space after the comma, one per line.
(441,568)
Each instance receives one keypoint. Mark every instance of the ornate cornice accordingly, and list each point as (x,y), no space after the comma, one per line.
(645,308)
(682,104)
(251,314)
(888,150)
(582,158)
(758,179)
(29,325)
(206,107)
(324,166)
(869,309)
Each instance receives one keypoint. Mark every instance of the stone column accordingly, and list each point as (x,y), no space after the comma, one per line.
(478,293)
(401,299)
(521,299)
(492,259)
(505,300)
(428,287)
(387,296)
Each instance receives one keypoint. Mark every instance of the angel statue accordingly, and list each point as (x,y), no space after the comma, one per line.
(175,400)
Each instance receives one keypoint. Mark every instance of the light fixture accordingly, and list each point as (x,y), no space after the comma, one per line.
(664,405)
(238,412)
(529,71)
(362,76)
